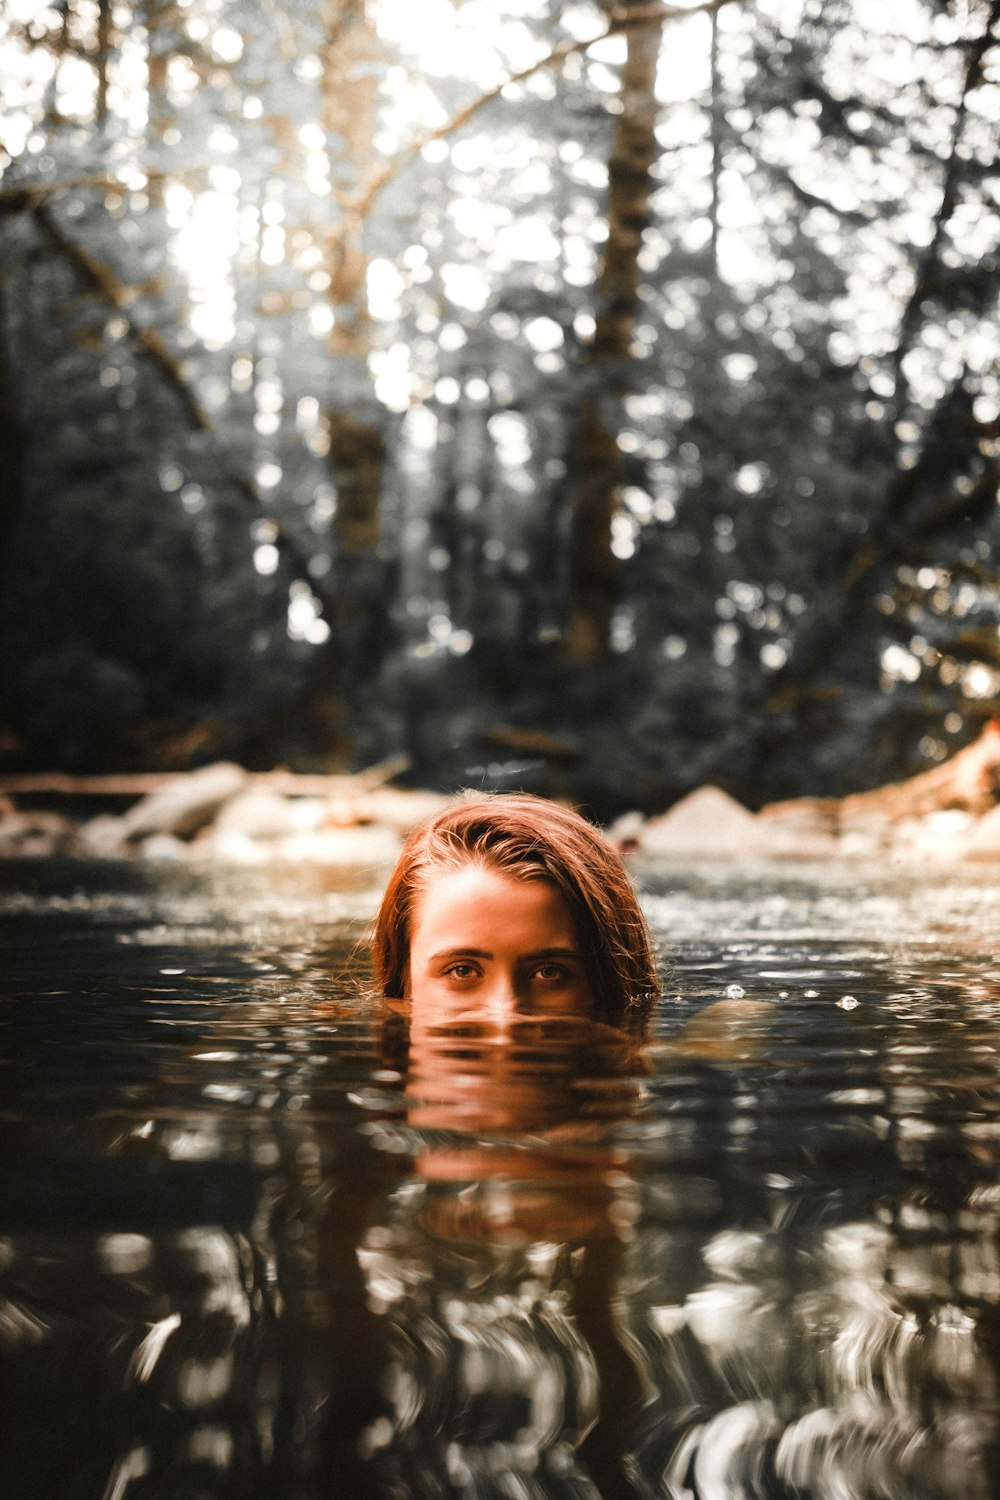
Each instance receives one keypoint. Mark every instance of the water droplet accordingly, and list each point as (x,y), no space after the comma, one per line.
(848,1002)
(735,992)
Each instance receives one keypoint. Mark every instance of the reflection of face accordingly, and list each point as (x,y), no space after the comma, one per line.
(502,1040)
(498,992)
(492,949)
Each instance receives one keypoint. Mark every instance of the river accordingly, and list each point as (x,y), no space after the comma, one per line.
(254,1245)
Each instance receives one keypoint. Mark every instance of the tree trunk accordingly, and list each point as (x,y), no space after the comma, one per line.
(593,566)
(717,121)
(158,112)
(104,34)
(968,782)
(356,443)
(594,569)
(12,446)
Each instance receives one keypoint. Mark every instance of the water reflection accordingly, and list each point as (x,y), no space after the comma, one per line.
(495,1260)
(821,1318)
(796,1363)
(686,1283)
(261,1238)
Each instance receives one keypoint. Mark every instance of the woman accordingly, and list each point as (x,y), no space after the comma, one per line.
(511,935)
(512,907)
(514,902)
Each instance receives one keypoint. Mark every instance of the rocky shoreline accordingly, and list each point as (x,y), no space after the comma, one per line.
(224,814)
(710,825)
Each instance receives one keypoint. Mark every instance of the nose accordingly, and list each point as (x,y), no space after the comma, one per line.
(501,1002)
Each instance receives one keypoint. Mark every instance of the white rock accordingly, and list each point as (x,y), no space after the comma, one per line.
(35,835)
(231,846)
(706,824)
(982,840)
(163,846)
(102,837)
(187,803)
(856,843)
(872,824)
(800,829)
(260,813)
(936,836)
(799,843)
(370,844)
(805,814)
(393,807)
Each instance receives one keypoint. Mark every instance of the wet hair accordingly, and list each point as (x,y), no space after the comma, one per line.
(528,838)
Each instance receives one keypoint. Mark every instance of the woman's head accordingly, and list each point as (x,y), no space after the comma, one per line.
(523,838)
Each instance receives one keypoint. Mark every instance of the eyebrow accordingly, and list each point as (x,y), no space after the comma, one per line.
(525,957)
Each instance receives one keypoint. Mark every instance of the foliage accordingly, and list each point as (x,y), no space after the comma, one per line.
(411,381)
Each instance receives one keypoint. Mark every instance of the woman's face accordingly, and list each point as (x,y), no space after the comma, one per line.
(489,948)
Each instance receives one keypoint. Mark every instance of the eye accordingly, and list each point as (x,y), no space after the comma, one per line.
(551,973)
(462,970)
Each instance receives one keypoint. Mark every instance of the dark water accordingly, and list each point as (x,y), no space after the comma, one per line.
(255,1242)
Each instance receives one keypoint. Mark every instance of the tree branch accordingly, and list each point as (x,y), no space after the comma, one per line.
(911,317)
(151,343)
(140,783)
(120,295)
(856,216)
(22,197)
(358,205)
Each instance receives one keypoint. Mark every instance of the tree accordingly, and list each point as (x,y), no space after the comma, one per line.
(597,458)
(527,370)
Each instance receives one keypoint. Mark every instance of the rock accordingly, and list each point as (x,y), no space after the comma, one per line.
(102,837)
(35,835)
(706,824)
(626,831)
(164,847)
(709,824)
(803,828)
(864,843)
(360,845)
(793,843)
(257,812)
(982,840)
(823,827)
(865,834)
(804,814)
(389,806)
(231,846)
(187,803)
(937,836)
(969,781)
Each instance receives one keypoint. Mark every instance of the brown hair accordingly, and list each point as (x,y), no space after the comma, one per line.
(529,839)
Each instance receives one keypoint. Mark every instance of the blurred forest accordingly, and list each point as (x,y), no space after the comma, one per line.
(572,395)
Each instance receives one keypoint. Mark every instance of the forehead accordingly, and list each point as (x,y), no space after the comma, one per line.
(473,903)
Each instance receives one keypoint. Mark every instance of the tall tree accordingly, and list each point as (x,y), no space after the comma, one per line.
(350,57)
(597,458)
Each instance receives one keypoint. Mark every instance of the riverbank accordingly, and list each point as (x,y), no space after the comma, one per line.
(225,814)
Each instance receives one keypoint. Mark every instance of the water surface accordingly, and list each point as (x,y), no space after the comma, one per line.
(252,1246)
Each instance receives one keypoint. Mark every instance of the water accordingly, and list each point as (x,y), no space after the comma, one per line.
(252,1246)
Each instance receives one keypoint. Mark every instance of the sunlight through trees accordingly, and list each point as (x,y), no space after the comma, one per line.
(378,375)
